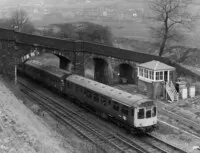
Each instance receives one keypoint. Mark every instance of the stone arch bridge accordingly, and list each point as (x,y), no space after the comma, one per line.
(102,63)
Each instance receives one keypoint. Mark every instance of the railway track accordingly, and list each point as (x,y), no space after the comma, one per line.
(104,138)
(190,126)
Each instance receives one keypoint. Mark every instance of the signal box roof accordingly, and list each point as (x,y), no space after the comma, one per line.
(156,66)
(117,95)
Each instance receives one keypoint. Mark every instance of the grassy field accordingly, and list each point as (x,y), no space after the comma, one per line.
(138,28)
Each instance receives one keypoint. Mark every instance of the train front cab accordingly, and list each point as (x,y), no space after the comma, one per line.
(145,118)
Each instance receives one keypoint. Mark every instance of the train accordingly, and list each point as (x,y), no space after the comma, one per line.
(134,112)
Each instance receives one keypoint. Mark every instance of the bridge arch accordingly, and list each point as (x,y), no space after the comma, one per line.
(101,70)
(126,73)
(65,63)
(97,68)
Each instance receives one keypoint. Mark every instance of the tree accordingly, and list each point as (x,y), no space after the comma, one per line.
(19,22)
(81,30)
(169,16)
(95,33)
(28,28)
(19,19)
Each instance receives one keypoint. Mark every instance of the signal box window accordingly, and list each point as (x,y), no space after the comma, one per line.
(116,106)
(146,73)
(124,110)
(154,112)
(141,72)
(141,113)
(148,113)
(96,97)
(157,75)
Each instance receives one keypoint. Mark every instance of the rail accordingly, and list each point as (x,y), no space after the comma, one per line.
(114,139)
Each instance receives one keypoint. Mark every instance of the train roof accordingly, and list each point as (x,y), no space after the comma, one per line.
(49,69)
(120,96)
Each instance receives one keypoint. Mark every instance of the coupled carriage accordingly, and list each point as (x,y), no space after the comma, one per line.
(135,112)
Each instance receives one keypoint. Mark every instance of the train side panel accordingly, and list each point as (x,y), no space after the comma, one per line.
(105,106)
(44,77)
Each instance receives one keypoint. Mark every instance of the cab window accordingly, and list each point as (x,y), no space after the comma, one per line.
(124,110)
(141,113)
(154,112)
(148,113)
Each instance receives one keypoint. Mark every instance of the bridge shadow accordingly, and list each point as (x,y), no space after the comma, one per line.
(126,73)
(101,70)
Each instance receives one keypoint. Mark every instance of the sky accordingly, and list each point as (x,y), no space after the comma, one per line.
(2,2)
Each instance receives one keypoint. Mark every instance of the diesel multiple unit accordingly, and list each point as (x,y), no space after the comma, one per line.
(132,111)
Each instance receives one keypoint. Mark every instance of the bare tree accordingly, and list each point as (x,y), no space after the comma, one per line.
(169,17)
(19,19)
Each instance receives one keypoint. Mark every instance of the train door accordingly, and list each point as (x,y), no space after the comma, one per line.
(132,116)
(124,113)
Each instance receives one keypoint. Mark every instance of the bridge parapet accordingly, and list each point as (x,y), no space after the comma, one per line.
(14,45)
(121,53)
(6,34)
(42,41)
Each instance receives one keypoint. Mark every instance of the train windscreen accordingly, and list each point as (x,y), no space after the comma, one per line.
(148,113)
(141,113)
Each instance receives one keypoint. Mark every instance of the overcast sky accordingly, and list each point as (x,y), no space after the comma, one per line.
(2,2)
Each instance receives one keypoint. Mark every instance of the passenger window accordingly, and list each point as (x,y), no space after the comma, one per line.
(85,92)
(116,106)
(154,112)
(81,89)
(77,88)
(103,100)
(96,97)
(141,113)
(62,82)
(68,84)
(148,113)
(89,94)
(124,110)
